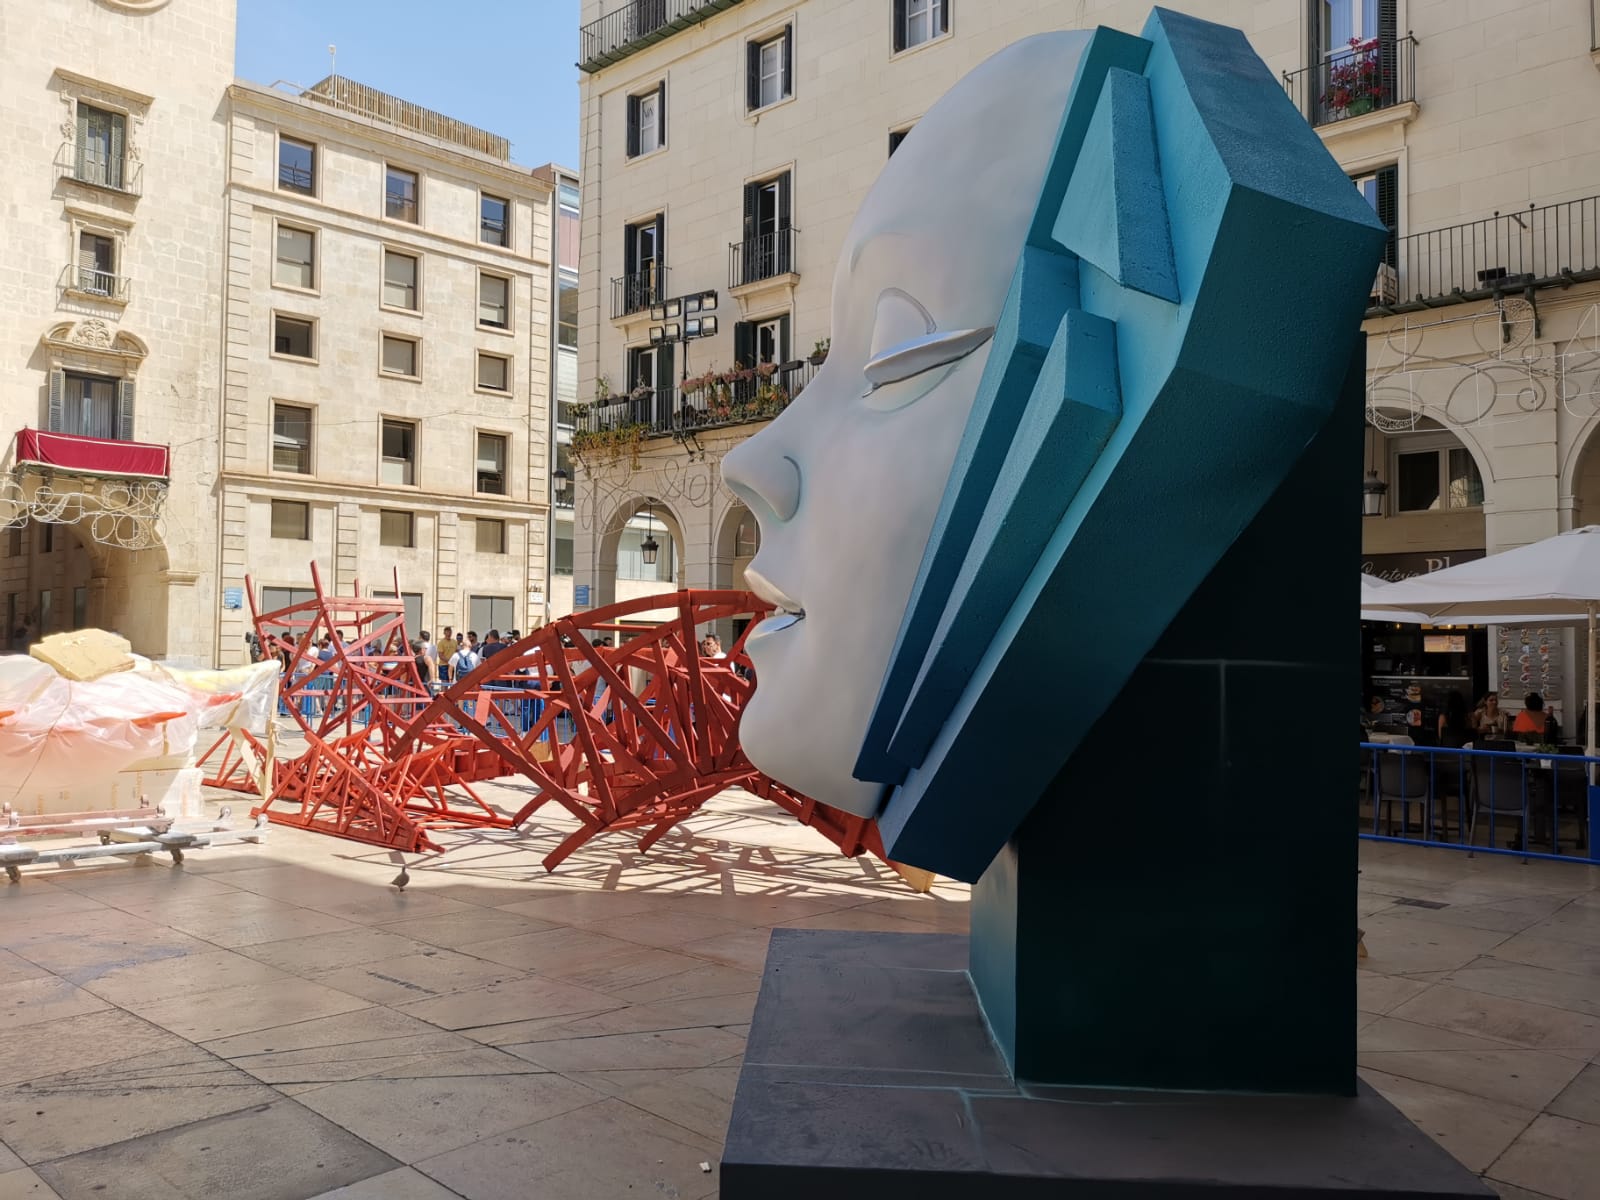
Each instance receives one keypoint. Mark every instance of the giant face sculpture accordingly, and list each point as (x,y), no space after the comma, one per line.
(867,447)
(1080,336)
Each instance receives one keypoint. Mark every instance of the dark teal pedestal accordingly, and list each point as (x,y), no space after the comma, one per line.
(1179,909)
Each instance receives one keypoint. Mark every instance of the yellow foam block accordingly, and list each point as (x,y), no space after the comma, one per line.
(85,653)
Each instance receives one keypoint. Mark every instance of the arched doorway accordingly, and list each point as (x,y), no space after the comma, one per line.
(738,542)
(1430,515)
(640,553)
(55,578)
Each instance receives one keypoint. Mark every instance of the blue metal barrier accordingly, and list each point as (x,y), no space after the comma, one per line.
(1547,801)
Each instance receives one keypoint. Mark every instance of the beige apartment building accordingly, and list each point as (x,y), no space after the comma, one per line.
(254,327)
(110,308)
(386,404)
(727,144)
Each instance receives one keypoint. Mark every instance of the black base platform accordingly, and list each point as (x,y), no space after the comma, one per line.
(870,1073)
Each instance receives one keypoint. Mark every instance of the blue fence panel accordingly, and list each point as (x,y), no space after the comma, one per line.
(1525,802)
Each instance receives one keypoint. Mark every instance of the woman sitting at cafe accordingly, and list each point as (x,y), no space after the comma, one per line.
(1487,719)
(1533,724)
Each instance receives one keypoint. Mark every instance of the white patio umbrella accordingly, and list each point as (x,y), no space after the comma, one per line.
(1553,582)
(1371,593)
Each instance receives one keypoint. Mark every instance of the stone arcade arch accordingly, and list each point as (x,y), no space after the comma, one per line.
(665,520)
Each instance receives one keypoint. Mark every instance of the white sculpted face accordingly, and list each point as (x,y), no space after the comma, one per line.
(846,483)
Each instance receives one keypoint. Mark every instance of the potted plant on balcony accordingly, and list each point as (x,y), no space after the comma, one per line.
(819,352)
(1355,81)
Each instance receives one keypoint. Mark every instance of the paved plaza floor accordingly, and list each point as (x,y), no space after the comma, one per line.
(278,1022)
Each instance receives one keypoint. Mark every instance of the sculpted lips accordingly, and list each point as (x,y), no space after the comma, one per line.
(789,611)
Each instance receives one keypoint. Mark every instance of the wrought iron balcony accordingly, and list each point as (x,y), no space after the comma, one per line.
(1508,254)
(637,24)
(761,257)
(125,175)
(733,398)
(637,292)
(1370,75)
(102,285)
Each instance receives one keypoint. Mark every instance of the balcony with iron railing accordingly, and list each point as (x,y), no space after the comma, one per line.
(1376,74)
(759,258)
(1507,254)
(637,292)
(122,174)
(639,23)
(95,284)
(713,401)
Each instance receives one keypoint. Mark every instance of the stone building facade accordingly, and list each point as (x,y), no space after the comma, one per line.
(251,328)
(386,407)
(726,146)
(114,152)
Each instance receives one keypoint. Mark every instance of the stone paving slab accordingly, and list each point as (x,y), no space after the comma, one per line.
(277,1021)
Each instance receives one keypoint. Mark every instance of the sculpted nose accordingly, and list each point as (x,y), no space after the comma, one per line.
(768,482)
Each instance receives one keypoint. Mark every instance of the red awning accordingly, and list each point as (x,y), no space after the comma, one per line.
(91,456)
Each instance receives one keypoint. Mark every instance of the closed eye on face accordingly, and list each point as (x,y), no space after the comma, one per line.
(906,345)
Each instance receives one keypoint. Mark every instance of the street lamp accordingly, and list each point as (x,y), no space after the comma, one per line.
(562,481)
(1372,493)
(648,548)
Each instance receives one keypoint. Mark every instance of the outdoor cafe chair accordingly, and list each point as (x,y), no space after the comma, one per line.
(1498,789)
(1403,780)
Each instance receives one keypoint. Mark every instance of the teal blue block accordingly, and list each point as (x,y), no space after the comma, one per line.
(1044,287)
(1273,253)
(1070,415)
(1115,214)
(1108,50)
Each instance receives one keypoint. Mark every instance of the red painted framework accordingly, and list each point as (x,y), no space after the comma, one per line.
(634,736)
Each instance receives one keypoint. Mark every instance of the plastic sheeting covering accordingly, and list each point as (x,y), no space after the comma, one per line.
(57,733)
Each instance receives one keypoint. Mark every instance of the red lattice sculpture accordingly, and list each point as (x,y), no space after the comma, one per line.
(634,736)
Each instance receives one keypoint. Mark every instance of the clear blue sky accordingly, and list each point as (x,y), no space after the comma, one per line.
(507,68)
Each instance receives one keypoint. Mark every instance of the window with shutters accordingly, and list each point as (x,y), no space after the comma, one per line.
(296,263)
(96,273)
(100,149)
(494,301)
(400,356)
(400,195)
(494,220)
(647,121)
(401,273)
(768,247)
(644,264)
(770,69)
(91,406)
(1355,59)
(291,519)
(297,166)
(492,463)
(293,337)
(650,367)
(772,340)
(399,453)
(1381,189)
(396,527)
(291,439)
(490,537)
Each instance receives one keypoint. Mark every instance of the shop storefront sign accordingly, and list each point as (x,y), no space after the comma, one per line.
(1392,568)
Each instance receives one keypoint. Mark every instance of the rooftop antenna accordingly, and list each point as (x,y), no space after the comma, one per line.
(333,59)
